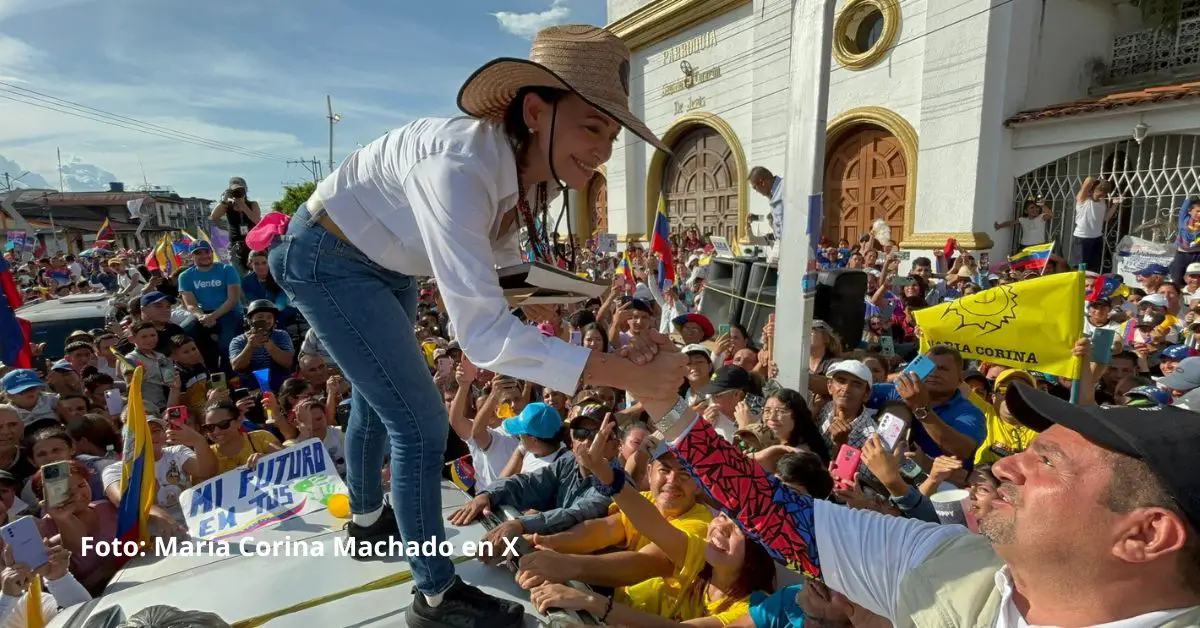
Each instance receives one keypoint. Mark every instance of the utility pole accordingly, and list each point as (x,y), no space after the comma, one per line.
(60,175)
(311,165)
(333,118)
(812,39)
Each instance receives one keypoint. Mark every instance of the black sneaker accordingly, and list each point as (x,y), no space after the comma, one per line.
(464,606)
(383,530)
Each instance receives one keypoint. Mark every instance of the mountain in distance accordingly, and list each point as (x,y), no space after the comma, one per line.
(77,176)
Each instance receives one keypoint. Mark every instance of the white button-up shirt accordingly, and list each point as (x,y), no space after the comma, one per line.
(777,208)
(428,199)
(866,557)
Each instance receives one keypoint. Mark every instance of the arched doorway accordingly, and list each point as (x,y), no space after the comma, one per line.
(866,178)
(701,182)
(597,204)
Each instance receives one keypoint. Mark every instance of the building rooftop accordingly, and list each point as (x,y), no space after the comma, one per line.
(1150,95)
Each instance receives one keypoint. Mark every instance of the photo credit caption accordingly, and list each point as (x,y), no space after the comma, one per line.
(288,547)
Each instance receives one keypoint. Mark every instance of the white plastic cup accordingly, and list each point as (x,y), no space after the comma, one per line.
(949,506)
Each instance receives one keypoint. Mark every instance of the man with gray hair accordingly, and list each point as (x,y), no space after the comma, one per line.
(771,187)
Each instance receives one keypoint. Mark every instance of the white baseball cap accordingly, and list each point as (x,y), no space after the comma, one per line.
(851,367)
(1193,269)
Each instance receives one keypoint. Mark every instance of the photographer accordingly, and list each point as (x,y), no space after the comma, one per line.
(262,347)
(242,214)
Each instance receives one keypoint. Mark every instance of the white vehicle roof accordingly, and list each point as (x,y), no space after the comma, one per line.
(70,307)
(241,587)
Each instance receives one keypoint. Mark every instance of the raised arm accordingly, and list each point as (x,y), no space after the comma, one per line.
(868,554)
(645,518)
(1085,190)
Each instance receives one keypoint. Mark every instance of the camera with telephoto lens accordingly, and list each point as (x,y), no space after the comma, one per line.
(236,193)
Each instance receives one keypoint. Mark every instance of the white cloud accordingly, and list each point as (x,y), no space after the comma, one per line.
(11,8)
(528,24)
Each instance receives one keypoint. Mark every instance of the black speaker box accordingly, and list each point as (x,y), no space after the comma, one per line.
(841,302)
(725,277)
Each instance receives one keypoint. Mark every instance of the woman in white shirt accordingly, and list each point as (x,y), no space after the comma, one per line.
(447,198)
(1092,213)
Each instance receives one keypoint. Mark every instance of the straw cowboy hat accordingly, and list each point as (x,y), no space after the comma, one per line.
(590,61)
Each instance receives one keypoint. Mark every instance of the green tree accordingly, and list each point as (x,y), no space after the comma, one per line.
(293,197)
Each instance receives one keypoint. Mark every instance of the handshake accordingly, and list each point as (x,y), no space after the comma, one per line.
(651,369)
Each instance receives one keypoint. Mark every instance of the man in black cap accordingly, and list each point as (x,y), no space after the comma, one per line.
(1095,523)
(242,214)
(730,386)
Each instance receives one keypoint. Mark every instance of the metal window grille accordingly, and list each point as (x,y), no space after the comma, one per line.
(1154,177)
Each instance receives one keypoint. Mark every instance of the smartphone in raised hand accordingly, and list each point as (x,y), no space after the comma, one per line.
(891,428)
(25,540)
(845,466)
(922,367)
(56,482)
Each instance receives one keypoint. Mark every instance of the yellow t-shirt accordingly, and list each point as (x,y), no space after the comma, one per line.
(256,442)
(675,598)
(1003,439)
(694,522)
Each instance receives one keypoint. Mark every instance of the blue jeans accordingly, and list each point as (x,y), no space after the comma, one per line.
(363,314)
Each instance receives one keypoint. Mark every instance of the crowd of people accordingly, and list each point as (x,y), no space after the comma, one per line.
(229,355)
(667,467)
(230,374)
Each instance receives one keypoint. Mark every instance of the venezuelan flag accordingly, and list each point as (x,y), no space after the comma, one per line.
(462,473)
(1104,287)
(105,234)
(138,483)
(660,244)
(184,243)
(1032,257)
(14,332)
(164,257)
(626,269)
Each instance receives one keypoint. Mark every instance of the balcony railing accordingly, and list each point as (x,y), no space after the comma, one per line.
(1152,53)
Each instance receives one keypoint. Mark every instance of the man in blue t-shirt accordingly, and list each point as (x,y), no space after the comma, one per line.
(212,291)
(262,347)
(946,422)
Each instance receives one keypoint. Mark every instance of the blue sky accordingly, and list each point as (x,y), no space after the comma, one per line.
(251,73)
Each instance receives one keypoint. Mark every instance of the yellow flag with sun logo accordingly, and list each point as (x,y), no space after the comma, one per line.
(1032,324)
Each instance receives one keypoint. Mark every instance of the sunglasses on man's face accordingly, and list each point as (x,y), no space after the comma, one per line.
(221,425)
(585,433)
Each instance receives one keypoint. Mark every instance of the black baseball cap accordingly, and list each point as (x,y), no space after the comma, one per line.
(728,378)
(1162,437)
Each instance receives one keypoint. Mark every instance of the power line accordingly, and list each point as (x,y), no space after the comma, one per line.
(313,166)
(42,100)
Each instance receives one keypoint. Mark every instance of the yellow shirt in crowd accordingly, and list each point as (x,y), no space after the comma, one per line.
(1003,438)
(256,442)
(693,522)
(676,599)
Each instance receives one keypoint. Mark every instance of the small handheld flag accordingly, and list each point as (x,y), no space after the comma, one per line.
(660,244)
(1032,257)
(105,234)
(138,483)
